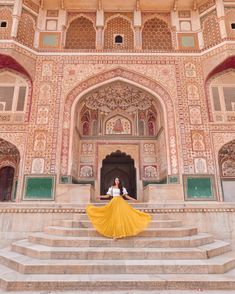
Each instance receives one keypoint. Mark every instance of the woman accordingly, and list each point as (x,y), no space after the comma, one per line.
(117,219)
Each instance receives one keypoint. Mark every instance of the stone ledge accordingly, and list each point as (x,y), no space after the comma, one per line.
(148,210)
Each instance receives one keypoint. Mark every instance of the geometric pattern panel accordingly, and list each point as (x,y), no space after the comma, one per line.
(229,19)
(5,15)
(118,26)
(210,30)
(81,34)
(26,30)
(156,35)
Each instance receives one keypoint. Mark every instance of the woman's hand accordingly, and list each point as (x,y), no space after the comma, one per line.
(130,198)
(98,197)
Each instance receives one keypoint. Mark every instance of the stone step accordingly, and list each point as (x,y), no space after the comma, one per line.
(155,216)
(29,265)
(110,253)
(88,224)
(13,281)
(158,232)
(139,242)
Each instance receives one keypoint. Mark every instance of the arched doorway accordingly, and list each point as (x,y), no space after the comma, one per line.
(6,183)
(227,170)
(9,163)
(122,108)
(121,165)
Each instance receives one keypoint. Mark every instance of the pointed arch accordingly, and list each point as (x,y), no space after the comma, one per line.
(222,68)
(26,30)
(156,34)
(118,25)
(141,81)
(81,33)
(11,67)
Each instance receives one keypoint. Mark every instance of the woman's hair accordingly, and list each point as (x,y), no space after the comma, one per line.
(119,185)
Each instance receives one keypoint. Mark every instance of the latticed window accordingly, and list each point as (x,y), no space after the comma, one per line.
(223,97)
(13,93)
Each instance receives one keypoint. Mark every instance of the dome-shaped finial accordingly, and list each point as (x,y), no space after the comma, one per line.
(137,5)
(100,5)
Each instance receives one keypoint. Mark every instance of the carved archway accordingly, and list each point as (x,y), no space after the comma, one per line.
(143,82)
(226,158)
(227,65)
(9,167)
(13,67)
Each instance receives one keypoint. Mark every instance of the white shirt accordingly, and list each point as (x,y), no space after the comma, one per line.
(116,191)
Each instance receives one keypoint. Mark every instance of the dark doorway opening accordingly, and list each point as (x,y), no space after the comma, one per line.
(6,183)
(120,165)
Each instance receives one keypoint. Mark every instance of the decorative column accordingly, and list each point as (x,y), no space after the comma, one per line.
(175,27)
(196,26)
(17,9)
(137,26)
(99,28)
(40,26)
(221,18)
(62,21)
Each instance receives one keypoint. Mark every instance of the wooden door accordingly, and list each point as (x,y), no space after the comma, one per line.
(6,183)
(119,165)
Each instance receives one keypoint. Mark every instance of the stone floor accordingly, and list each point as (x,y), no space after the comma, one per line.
(131,292)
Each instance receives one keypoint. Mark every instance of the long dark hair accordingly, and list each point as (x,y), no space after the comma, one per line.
(119,185)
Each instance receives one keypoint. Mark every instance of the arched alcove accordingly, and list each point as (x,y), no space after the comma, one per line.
(226,158)
(80,34)
(9,164)
(218,79)
(80,153)
(124,115)
(156,35)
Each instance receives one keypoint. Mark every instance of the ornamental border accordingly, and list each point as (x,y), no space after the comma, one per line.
(83,210)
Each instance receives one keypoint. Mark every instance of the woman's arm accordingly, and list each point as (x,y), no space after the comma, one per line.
(105,196)
(129,197)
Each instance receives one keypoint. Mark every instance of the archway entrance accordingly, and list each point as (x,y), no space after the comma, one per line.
(227,170)
(119,114)
(6,183)
(9,163)
(121,165)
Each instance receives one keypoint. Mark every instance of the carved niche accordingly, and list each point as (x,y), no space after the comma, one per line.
(227,159)
(118,108)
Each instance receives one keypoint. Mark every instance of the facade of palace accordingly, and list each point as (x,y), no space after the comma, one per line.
(143,90)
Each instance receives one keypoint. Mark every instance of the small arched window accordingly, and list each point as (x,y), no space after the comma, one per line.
(3,24)
(13,94)
(222,91)
(118,39)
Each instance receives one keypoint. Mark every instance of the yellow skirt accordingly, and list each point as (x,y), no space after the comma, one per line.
(118,219)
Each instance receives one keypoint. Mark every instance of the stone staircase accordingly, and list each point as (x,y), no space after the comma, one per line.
(71,255)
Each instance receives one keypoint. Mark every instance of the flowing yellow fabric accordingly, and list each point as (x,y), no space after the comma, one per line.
(118,219)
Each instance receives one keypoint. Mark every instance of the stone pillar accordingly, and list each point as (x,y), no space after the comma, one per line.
(137,26)
(36,38)
(175,27)
(99,28)
(221,18)
(40,26)
(17,9)
(62,20)
(196,26)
